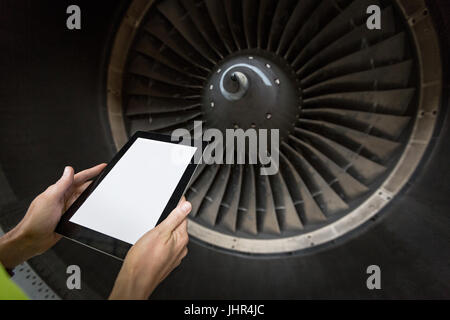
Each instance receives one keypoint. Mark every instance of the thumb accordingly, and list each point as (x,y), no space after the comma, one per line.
(177,216)
(65,182)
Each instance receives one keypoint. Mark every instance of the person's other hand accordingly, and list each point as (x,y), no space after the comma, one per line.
(154,256)
(35,232)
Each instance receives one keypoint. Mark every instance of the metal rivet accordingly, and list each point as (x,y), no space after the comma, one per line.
(212,104)
(268,66)
(277,81)
(251,58)
(219,70)
(268,116)
(211,87)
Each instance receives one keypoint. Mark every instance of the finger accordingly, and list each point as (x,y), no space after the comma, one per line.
(176,263)
(64,183)
(182,255)
(83,187)
(181,233)
(173,264)
(182,228)
(176,216)
(88,174)
(183,199)
(184,252)
(78,191)
(178,257)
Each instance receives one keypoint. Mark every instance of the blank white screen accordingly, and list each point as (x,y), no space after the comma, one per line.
(131,198)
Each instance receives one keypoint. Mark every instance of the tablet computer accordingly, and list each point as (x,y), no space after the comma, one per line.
(135,192)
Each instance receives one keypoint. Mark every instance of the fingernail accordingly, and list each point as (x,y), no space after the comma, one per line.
(66,171)
(186,206)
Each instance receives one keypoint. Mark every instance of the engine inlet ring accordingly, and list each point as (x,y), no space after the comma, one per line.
(423,39)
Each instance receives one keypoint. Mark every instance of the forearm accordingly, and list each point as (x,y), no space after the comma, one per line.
(14,249)
(130,286)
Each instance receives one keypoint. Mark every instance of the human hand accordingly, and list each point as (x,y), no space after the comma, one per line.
(154,256)
(35,233)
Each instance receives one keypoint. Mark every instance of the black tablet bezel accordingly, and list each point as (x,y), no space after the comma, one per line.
(102,242)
